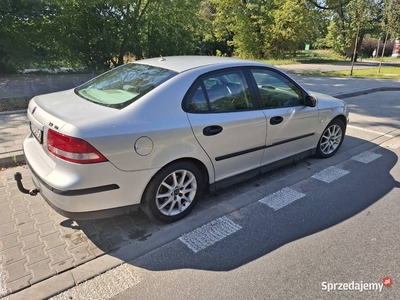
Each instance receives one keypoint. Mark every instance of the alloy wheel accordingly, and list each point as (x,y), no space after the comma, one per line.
(176,192)
(331,139)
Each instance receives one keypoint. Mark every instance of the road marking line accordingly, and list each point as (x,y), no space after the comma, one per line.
(330,174)
(282,198)
(104,286)
(366,157)
(209,234)
(371,131)
(392,144)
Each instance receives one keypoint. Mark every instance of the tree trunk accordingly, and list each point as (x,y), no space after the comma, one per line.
(354,58)
(383,52)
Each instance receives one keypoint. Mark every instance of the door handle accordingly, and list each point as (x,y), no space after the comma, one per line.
(276,120)
(212,130)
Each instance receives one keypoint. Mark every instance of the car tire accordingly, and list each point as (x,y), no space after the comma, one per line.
(331,139)
(173,192)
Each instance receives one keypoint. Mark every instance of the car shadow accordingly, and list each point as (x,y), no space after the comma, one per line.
(139,236)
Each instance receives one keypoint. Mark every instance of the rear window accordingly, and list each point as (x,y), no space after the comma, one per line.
(123,85)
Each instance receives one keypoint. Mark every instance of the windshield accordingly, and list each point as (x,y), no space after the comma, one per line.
(123,85)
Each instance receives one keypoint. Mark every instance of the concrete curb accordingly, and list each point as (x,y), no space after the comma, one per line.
(14,159)
(127,254)
(367,91)
(11,112)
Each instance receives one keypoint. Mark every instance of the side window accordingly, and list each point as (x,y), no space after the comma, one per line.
(276,90)
(222,92)
(198,101)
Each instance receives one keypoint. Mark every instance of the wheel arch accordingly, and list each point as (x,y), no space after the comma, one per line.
(201,166)
(343,119)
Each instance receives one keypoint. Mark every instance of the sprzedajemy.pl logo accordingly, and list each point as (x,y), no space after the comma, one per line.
(356,286)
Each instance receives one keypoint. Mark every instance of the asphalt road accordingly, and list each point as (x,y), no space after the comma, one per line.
(337,227)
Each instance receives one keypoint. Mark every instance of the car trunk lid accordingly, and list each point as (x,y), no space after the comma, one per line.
(71,108)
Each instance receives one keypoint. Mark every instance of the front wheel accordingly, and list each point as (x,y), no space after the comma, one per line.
(331,139)
(173,192)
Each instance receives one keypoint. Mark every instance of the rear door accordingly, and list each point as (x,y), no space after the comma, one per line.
(291,125)
(226,122)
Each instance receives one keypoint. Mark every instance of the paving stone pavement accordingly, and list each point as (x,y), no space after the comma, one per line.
(13,130)
(37,243)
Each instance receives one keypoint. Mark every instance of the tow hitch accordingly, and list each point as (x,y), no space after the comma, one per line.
(18,178)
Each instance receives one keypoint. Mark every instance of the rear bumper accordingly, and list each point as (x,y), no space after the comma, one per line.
(76,192)
(88,215)
(98,214)
(85,191)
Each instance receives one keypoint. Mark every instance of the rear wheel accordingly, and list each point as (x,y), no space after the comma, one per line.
(331,139)
(173,192)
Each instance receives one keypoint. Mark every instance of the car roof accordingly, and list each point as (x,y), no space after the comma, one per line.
(183,63)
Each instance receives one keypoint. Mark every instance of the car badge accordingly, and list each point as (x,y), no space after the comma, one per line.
(33,110)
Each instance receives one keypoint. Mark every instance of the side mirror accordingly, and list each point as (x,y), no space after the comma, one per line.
(311,101)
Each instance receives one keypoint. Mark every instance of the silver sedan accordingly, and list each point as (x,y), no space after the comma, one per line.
(159,132)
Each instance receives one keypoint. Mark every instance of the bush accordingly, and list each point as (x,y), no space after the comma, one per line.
(369,45)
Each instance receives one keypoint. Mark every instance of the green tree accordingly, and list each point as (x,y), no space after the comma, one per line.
(337,30)
(102,34)
(347,16)
(170,28)
(274,28)
(294,23)
(336,39)
(391,17)
(390,23)
(97,32)
(212,40)
(23,28)
(364,17)
(244,22)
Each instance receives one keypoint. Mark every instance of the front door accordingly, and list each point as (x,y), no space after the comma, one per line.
(291,125)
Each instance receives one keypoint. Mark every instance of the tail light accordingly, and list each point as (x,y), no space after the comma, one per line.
(72,149)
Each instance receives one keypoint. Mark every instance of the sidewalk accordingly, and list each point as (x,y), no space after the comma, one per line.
(339,66)
(38,246)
